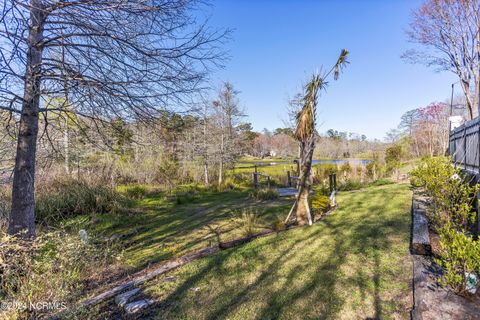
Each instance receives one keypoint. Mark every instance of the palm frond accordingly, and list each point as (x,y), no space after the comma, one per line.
(341,63)
(306,117)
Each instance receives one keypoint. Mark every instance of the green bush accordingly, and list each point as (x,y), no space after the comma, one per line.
(346,167)
(452,197)
(451,214)
(393,156)
(372,170)
(264,194)
(167,172)
(326,169)
(70,197)
(320,204)
(459,256)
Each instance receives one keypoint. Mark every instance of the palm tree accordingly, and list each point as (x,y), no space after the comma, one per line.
(305,133)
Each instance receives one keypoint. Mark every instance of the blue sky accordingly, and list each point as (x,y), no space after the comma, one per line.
(276,45)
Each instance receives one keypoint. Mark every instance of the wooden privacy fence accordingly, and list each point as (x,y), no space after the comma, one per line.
(464,146)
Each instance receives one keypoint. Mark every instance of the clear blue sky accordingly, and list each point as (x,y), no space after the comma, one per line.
(277,44)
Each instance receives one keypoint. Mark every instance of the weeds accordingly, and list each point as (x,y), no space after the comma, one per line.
(69,197)
(248,222)
(264,194)
(53,267)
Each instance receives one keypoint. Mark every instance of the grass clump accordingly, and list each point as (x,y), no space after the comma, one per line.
(70,197)
(248,222)
(264,194)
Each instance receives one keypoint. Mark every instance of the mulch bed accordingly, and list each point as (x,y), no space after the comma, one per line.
(431,300)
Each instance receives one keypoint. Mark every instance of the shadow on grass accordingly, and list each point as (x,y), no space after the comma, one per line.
(157,230)
(307,273)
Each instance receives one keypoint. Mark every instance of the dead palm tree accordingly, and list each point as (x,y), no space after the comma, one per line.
(305,133)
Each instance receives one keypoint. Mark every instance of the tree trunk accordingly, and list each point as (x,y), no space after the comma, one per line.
(66,149)
(220,173)
(205,168)
(22,216)
(303,213)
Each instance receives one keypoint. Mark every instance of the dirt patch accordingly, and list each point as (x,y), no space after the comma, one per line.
(432,301)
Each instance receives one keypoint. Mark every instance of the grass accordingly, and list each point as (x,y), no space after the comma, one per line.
(352,265)
(157,228)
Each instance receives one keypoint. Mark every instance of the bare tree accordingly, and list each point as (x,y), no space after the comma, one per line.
(113,58)
(450,32)
(227,118)
(306,134)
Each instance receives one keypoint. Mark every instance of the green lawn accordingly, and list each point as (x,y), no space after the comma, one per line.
(155,229)
(353,265)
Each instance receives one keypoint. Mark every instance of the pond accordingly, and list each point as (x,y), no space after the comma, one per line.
(361,162)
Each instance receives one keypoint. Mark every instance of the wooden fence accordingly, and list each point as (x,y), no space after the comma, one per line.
(464,146)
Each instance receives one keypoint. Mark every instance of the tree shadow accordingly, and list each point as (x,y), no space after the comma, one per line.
(303,278)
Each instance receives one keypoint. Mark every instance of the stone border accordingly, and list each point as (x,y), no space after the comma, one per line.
(420,240)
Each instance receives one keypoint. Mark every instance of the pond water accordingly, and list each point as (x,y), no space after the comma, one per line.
(361,162)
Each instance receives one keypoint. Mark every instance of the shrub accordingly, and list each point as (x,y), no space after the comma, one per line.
(459,256)
(346,167)
(240,179)
(451,214)
(69,197)
(326,169)
(279,224)
(372,169)
(451,196)
(167,172)
(393,155)
(320,204)
(264,194)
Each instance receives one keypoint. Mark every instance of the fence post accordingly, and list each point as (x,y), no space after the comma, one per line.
(335,182)
(476,227)
(289,179)
(255,180)
(330,182)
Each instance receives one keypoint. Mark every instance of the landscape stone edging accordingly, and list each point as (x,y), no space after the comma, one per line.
(420,240)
